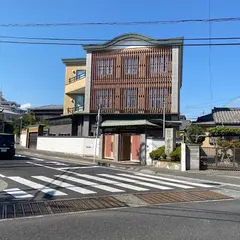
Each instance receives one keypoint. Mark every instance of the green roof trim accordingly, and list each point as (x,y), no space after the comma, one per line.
(74,61)
(153,41)
(125,123)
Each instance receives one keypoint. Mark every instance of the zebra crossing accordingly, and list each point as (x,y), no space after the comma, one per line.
(64,185)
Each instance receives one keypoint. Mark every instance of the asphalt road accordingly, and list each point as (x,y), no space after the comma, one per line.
(34,179)
(192,221)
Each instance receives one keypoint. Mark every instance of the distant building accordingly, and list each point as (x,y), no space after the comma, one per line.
(184,124)
(9,110)
(48,111)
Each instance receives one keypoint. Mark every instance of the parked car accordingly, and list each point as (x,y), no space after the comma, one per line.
(7,145)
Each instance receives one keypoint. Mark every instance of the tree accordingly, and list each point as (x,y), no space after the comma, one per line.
(26,120)
(194,134)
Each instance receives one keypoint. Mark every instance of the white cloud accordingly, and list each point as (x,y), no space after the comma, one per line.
(26,105)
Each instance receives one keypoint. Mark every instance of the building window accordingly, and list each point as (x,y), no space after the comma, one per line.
(158,64)
(130,98)
(157,96)
(104,67)
(131,65)
(80,74)
(104,97)
(79,103)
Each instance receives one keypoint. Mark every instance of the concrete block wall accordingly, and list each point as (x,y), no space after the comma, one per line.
(69,145)
(23,140)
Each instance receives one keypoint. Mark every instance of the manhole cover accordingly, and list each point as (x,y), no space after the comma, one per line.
(15,210)
(177,197)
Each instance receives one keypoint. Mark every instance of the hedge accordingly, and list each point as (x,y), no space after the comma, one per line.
(223,131)
(159,154)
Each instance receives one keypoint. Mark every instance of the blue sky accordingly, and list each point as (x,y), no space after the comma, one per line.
(35,74)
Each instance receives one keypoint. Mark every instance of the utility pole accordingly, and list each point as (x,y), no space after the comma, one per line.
(97,130)
(164,117)
(20,130)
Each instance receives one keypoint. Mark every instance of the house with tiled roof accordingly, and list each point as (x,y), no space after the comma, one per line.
(47,111)
(220,116)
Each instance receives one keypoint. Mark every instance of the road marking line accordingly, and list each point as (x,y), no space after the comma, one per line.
(69,168)
(104,180)
(40,165)
(136,181)
(2,176)
(176,180)
(64,185)
(156,181)
(37,159)
(17,193)
(57,163)
(40,187)
(91,184)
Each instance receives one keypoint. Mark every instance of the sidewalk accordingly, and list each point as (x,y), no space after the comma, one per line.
(210,176)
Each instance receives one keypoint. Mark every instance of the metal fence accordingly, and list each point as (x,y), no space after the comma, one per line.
(220,158)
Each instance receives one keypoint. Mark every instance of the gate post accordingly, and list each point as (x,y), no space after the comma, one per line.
(234,155)
(183,157)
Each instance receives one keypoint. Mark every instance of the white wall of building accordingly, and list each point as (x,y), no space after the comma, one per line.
(70,145)
(154,143)
(23,140)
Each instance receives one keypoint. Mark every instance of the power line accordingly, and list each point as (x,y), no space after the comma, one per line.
(105,40)
(210,51)
(216,20)
(119,45)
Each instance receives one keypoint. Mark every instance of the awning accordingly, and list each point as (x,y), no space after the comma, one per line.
(125,123)
(77,91)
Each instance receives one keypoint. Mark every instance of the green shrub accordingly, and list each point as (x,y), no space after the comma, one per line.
(175,155)
(194,134)
(158,153)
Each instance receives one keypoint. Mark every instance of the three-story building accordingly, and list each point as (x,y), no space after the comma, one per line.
(136,80)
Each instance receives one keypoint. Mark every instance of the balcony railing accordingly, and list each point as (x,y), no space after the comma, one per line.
(75,109)
(77,77)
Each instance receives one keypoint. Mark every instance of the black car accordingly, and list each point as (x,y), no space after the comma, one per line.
(7,145)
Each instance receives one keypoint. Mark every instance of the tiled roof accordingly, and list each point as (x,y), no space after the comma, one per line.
(226,115)
(184,124)
(221,116)
(48,107)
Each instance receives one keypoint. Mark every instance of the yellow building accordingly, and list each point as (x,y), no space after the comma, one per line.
(74,89)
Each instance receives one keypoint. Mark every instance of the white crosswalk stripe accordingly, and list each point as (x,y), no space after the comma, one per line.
(136,181)
(84,183)
(18,193)
(176,180)
(64,185)
(91,184)
(108,181)
(156,181)
(37,186)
